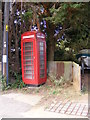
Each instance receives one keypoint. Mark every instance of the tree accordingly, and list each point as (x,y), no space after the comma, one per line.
(64,24)
(74,20)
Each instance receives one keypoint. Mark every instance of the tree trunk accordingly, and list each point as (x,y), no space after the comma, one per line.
(35,18)
(10,38)
(17,66)
(38,24)
(34,15)
(51,41)
(51,49)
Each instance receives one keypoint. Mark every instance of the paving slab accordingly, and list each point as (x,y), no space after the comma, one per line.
(70,108)
(40,112)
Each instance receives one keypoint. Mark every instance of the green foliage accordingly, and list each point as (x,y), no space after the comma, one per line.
(3,81)
(18,83)
(4,84)
(54,92)
(74,18)
(28,15)
(57,82)
(65,54)
(84,90)
(70,14)
(60,81)
(58,15)
(76,5)
(61,14)
(64,6)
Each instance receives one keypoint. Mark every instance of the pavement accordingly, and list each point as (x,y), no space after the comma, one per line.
(19,105)
(69,108)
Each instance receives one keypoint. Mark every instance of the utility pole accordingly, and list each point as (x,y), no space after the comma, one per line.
(0,41)
(5,42)
(0,31)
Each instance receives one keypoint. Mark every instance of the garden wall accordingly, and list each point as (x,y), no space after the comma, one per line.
(0,77)
(76,76)
(70,71)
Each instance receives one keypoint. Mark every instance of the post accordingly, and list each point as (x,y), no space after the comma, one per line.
(0,42)
(0,32)
(5,41)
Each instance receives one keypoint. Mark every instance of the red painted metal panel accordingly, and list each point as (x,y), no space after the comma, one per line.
(30,57)
(41,40)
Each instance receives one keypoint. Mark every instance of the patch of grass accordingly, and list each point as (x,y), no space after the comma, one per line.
(48,87)
(54,92)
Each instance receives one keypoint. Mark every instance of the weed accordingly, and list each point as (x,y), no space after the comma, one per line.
(3,81)
(57,82)
(84,90)
(48,87)
(37,91)
(17,84)
(54,92)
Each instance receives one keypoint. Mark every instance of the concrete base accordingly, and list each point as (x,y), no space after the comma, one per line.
(31,85)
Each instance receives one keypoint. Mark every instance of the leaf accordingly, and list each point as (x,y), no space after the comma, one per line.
(76,5)
(28,15)
(65,5)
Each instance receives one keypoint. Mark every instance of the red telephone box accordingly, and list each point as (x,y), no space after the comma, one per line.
(33,58)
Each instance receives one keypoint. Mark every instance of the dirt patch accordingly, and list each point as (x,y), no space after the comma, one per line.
(51,92)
